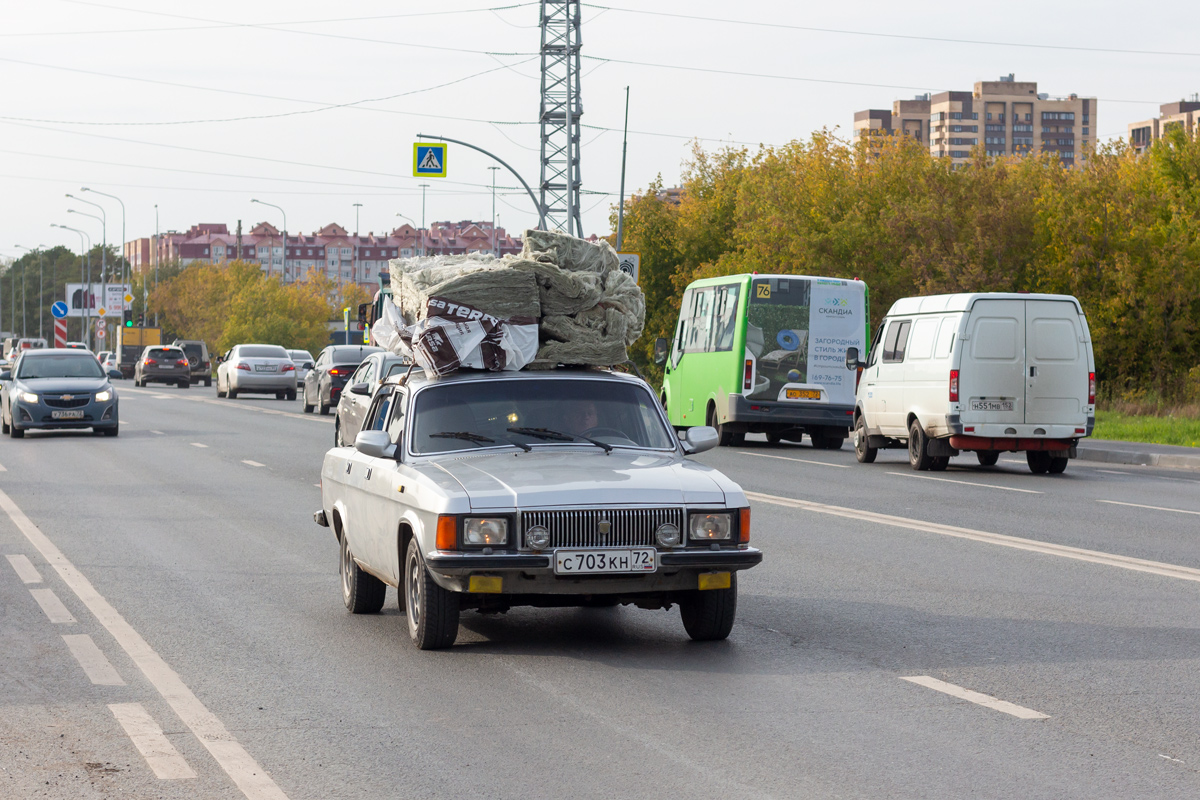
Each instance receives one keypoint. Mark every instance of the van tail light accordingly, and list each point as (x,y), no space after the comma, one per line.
(1091,388)
(447,532)
(744,527)
(748,376)
(243,365)
(953,386)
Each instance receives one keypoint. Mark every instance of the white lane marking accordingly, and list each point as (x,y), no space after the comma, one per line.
(317,485)
(1168,758)
(160,433)
(3,468)
(197,444)
(965,483)
(226,404)
(1013,461)
(98,668)
(1032,545)
(54,608)
(801,460)
(26,571)
(162,397)
(1114,472)
(250,463)
(1153,508)
(148,738)
(979,698)
(239,765)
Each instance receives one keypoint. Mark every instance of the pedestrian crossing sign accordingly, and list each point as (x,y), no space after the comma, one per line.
(429,160)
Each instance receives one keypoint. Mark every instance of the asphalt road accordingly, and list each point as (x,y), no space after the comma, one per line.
(183,635)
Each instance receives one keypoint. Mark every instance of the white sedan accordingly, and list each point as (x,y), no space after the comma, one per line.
(257,368)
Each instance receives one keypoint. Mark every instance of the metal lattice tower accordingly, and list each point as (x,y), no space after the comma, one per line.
(560,115)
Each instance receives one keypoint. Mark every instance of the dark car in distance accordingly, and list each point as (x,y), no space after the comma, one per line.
(165,364)
(200,368)
(324,384)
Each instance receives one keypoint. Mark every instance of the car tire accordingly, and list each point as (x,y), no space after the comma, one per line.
(431,611)
(918,450)
(231,393)
(1038,460)
(207,382)
(362,593)
(725,436)
(291,394)
(708,616)
(184,384)
(1057,465)
(15,432)
(307,409)
(280,395)
(220,391)
(337,432)
(3,425)
(774,438)
(862,448)
(115,430)
(325,409)
(939,463)
(987,458)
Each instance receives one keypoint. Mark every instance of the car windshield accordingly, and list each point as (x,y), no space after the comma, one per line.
(262,351)
(354,355)
(80,366)
(540,412)
(300,355)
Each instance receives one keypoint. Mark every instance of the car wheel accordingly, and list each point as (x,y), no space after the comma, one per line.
(325,409)
(291,394)
(987,458)
(918,452)
(431,611)
(337,433)
(207,382)
(280,395)
(1057,465)
(1038,460)
(184,384)
(774,438)
(15,432)
(3,425)
(362,593)
(231,393)
(862,448)
(307,408)
(115,430)
(708,616)
(220,391)
(725,436)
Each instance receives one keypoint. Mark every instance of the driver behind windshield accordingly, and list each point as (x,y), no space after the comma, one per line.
(580,416)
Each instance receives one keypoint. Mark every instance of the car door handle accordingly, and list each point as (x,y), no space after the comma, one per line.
(369,473)
(1033,372)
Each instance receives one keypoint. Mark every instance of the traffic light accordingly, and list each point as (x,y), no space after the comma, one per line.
(362,315)
(128,318)
(141,320)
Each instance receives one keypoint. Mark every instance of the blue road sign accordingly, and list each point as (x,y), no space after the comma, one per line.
(59,310)
(429,160)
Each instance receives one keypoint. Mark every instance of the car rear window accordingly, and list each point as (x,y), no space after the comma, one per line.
(354,355)
(165,352)
(262,351)
(300,355)
(193,351)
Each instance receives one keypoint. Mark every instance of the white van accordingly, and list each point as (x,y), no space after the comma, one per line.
(990,373)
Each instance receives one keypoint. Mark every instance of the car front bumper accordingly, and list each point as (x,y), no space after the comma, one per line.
(39,416)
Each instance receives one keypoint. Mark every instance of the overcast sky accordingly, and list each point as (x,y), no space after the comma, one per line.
(140,99)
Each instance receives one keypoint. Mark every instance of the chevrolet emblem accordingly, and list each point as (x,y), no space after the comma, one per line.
(68,397)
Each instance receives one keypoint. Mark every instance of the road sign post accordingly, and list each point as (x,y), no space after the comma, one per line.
(429,160)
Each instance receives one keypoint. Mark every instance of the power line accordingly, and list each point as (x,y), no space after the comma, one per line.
(846,32)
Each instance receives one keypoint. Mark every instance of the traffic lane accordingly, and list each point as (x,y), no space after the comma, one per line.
(1075,509)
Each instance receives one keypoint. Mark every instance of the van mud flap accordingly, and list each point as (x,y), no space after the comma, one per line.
(1059,447)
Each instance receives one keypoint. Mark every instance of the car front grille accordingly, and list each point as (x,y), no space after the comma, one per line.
(628,527)
(74,402)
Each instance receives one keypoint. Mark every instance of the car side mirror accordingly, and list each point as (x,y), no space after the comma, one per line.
(308,365)
(697,440)
(377,444)
(661,350)
(115,374)
(361,388)
(6,375)
(852,361)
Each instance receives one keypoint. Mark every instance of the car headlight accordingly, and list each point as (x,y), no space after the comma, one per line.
(105,396)
(710,527)
(29,397)
(489,531)
(537,537)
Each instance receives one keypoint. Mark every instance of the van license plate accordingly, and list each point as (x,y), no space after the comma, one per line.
(991,405)
(590,562)
(803,394)
(76,414)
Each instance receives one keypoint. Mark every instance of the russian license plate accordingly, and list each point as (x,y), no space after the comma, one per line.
(264,367)
(166,366)
(590,562)
(991,405)
(72,414)
(803,394)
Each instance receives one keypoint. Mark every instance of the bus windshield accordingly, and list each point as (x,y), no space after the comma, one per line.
(777,326)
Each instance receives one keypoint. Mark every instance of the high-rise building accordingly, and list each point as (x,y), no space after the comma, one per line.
(1006,117)
(1185,114)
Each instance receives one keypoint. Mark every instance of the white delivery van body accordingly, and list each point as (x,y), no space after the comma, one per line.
(987,373)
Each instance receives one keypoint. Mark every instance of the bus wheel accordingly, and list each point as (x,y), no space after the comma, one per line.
(726,437)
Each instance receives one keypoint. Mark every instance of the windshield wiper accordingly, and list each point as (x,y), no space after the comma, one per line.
(476,439)
(559,436)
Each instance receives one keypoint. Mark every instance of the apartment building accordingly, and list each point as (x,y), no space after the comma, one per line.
(1185,114)
(1006,117)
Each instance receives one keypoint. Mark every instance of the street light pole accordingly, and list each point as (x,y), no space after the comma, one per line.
(281,211)
(357,206)
(103,257)
(89,264)
(24,303)
(423,186)
(157,258)
(89,275)
(41,303)
(493,169)
(124,260)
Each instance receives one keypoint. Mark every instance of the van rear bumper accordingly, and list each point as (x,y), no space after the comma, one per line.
(1012,444)
(1004,430)
(775,414)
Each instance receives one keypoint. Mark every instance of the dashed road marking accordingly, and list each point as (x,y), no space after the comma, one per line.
(148,738)
(54,608)
(197,444)
(1153,508)
(1032,545)
(1113,472)
(253,781)
(98,668)
(801,460)
(965,483)
(979,698)
(26,571)
(3,468)
(242,406)
(160,433)
(250,463)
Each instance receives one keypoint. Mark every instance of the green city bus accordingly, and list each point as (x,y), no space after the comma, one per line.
(766,354)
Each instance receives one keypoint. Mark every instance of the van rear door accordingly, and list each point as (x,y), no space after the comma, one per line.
(1056,366)
(992,366)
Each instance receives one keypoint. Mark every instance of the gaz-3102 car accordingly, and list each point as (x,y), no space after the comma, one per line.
(485,490)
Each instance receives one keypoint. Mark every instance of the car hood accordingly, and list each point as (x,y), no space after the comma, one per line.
(544,479)
(63,385)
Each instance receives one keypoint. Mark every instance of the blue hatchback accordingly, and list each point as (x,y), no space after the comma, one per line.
(58,389)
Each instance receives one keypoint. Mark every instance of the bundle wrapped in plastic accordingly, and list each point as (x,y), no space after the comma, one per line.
(570,293)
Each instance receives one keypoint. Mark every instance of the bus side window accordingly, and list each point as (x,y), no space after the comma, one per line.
(696,339)
(681,328)
(726,318)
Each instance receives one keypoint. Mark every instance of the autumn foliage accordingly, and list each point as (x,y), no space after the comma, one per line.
(234,303)
(1122,235)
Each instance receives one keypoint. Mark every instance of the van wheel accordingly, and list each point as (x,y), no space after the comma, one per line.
(1039,461)
(1058,464)
(918,450)
(939,463)
(987,458)
(862,450)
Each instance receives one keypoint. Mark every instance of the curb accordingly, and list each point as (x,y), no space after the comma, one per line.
(1137,457)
